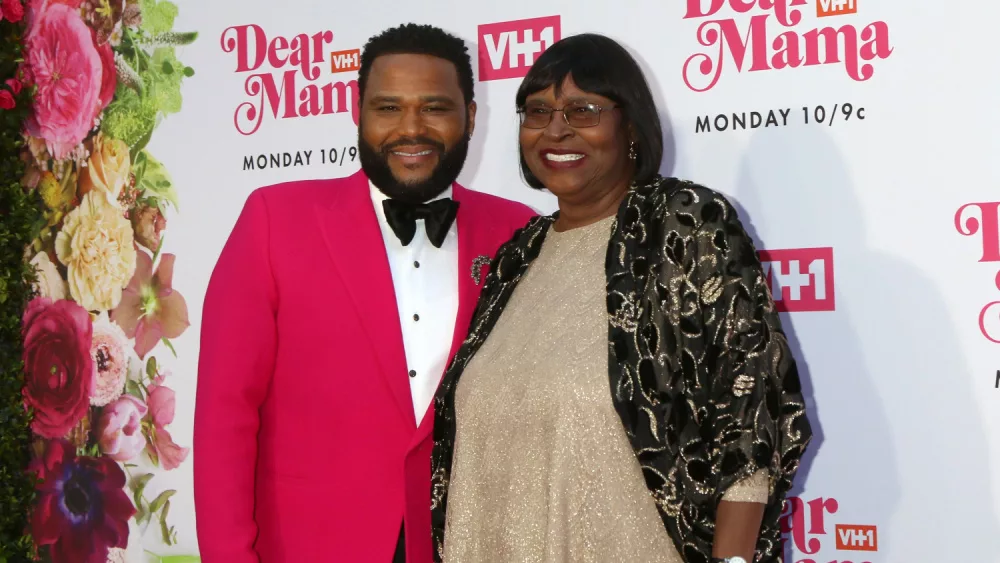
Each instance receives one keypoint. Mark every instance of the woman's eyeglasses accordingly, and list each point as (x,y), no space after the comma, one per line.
(576,115)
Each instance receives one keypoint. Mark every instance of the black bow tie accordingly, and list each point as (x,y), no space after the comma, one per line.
(438,216)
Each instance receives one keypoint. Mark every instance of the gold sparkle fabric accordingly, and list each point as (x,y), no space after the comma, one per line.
(543,470)
(700,371)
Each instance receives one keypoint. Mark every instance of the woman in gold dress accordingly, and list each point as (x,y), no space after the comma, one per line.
(626,392)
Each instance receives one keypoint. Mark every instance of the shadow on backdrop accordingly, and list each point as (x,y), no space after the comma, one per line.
(477,146)
(669,141)
(884,371)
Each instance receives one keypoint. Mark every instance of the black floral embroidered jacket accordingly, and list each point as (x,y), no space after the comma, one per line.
(700,371)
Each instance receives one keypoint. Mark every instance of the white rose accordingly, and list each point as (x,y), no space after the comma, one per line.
(49,283)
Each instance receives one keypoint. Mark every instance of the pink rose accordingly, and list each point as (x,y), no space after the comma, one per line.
(14,85)
(39,6)
(58,369)
(119,430)
(7,100)
(68,72)
(109,75)
(11,10)
(162,402)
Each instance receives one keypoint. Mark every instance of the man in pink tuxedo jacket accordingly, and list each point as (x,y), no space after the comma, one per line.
(329,320)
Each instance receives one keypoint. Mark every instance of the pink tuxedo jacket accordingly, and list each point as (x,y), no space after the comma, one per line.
(305,444)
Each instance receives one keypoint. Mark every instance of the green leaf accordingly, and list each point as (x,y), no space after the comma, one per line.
(170,346)
(141,143)
(139,483)
(188,71)
(157,17)
(133,388)
(163,524)
(165,86)
(151,367)
(36,228)
(155,181)
(160,500)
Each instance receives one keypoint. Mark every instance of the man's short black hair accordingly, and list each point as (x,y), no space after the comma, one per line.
(600,65)
(415,39)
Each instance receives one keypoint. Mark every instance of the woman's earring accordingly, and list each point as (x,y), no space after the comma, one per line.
(631,150)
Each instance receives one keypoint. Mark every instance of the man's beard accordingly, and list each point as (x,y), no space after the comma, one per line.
(376,166)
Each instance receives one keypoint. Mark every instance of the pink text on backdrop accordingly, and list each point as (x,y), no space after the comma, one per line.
(286,87)
(987,226)
(806,525)
(801,279)
(790,49)
(508,49)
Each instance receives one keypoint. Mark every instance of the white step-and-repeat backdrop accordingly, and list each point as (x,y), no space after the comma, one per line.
(856,136)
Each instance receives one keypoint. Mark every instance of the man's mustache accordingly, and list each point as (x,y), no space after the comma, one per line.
(412,142)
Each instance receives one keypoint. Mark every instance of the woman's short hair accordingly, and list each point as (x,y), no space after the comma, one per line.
(600,65)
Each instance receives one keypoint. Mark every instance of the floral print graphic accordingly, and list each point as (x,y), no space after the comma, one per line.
(103,74)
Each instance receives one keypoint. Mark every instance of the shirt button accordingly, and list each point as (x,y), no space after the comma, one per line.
(413,373)
(416,317)
(416,264)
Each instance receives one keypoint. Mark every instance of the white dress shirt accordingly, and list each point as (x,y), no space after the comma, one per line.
(426,282)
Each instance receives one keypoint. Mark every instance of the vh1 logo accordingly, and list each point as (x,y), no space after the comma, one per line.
(508,49)
(856,538)
(826,8)
(801,279)
(345,61)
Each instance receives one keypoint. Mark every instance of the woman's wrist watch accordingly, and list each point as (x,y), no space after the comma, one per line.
(728,560)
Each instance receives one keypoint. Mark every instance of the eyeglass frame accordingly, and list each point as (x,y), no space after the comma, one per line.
(522,112)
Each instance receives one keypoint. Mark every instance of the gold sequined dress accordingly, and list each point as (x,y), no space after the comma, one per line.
(542,469)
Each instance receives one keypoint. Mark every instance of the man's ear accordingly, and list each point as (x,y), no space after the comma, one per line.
(471,112)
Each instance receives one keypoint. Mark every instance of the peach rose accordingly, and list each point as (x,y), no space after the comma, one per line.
(107,168)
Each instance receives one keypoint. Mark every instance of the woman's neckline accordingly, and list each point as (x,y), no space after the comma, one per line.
(583,229)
